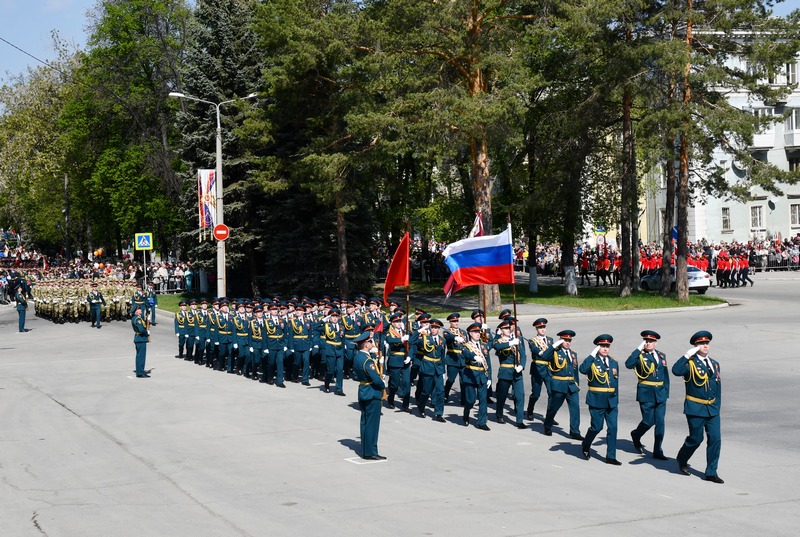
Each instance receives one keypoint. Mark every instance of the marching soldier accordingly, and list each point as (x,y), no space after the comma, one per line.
(476,375)
(224,339)
(540,374)
(454,362)
(276,348)
(701,375)
(181,327)
(431,371)
(258,344)
(512,363)
(201,339)
(331,335)
(652,391)
(241,340)
(602,397)
(398,362)
(564,384)
(300,338)
(191,330)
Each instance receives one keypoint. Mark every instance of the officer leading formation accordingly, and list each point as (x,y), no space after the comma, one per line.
(275,342)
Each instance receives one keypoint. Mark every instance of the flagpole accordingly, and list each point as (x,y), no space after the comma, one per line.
(514,294)
(408,293)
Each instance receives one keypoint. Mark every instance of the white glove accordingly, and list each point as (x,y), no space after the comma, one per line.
(326,318)
(266,351)
(691,352)
(216,343)
(484,326)
(404,338)
(197,338)
(641,346)
(316,346)
(148,332)
(518,368)
(595,351)
(208,341)
(513,342)
(558,343)
(251,349)
(177,335)
(381,360)
(285,349)
(459,339)
(489,383)
(407,361)
(373,350)
(235,345)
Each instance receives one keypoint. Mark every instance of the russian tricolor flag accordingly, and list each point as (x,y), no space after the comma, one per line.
(482,260)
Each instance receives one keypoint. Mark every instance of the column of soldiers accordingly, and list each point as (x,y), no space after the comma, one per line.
(275,341)
(75,301)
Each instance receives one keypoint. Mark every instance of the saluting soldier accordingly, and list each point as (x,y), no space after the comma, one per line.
(564,384)
(331,335)
(652,390)
(139,299)
(701,375)
(476,375)
(454,362)
(96,301)
(431,344)
(602,397)
(540,373)
(353,325)
(512,364)
(398,362)
(370,392)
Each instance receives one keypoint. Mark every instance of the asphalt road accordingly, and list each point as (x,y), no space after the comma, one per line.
(87,449)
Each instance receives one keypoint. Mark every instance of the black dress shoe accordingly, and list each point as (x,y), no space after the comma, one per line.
(520,426)
(615,462)
(153,324)
(548,432)
(439,419)
(660,456)
(585,451)
(576,436)
(306,383)
(465,420)
(483,427)
(371,458)
(326,389)
(282,385)
(637,442)
(682,468)
(340,394)
(501,420)
(390,405)
(529,416)
(420,413)
(145,376)
(714,479)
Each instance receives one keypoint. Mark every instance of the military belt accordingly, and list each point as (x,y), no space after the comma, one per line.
(431,359)
(398,354)
(275,337)
(475,368)
(455,351)
(651,383)
(334,342)
(364,383)
(604,390)
(351,336)
(570,379)
(701,401)
(300,337)
(542,362)
(507,365)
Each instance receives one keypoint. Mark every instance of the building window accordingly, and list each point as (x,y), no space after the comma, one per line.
(765,114)
(794,164)
(726,218)
(793,120)
(795,210)
(791,73)
(756,217)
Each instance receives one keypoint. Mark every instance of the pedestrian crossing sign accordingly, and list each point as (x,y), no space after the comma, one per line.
(144,241)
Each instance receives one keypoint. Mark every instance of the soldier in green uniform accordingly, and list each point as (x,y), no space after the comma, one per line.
(141,336)
(512,363)
(370,392)
(652,390)
(96,301)
(540,374)
(602,397)
(139,299)
(181,326)
(476,375)
(565,384)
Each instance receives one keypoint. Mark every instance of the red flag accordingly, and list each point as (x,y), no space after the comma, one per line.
(398,269)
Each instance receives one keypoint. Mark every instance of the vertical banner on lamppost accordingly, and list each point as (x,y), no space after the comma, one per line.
(206,199)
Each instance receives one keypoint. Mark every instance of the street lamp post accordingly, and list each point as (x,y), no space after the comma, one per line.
(221,282)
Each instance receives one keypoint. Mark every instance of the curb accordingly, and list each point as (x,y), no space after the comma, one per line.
(627,312)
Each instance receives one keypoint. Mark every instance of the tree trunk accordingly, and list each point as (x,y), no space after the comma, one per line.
(628,194)
(669,218)
(482,190)
(341,242)
(681,277)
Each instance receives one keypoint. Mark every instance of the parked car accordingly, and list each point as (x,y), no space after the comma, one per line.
(699,280)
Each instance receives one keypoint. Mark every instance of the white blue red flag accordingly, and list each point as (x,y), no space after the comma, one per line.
(482,260)
(207,197)
(450,286)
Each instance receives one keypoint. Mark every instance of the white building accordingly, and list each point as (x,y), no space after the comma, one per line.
(764,216)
